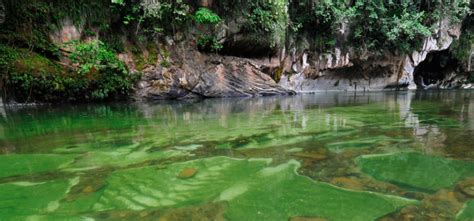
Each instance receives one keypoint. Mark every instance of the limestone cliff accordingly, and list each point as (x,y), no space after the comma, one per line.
(369,72)
(245,48)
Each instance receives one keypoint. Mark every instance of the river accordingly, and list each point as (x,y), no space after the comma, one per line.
(326,156)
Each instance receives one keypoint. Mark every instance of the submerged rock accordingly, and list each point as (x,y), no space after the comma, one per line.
(415,170)
(187,173)
(467,187)
(313,155)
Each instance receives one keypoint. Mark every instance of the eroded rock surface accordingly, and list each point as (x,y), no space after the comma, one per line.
(346,71)
(199,75)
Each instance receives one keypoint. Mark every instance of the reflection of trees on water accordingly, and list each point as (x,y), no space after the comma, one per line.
(433,116)
(441,120)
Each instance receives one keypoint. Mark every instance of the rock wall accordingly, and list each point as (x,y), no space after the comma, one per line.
(196,75)
(193,74)
(349,72)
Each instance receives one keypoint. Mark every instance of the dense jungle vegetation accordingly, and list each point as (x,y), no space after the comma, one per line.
(34,68)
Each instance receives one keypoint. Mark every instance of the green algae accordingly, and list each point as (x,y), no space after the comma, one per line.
(20,200)
(116,154)
(26,164)
(279,193)
(98,159)
(253,190)
(81,205)
(143,188)
(467,212)
(415,170)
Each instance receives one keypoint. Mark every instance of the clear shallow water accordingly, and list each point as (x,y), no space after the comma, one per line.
(405,156)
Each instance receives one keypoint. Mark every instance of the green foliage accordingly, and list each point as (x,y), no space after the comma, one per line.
(108,75)
(390,25)
(167,16)
(206,16)
(269,17)
(207,39)
(462,48)
(209,43)
(373,25)
(7,56)
(142,60)
(99,75)
(120,2)
(455,10)
(28,74)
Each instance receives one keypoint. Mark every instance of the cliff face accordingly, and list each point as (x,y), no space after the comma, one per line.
(350,72)
(301,69)
(272,51)
(201,75)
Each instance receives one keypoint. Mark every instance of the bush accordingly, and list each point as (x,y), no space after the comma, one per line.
(388,26)
(206,16)
(209,43)
(269,17)
(207,39)
(372,25)
(107,75)
(98,75)
(29,76)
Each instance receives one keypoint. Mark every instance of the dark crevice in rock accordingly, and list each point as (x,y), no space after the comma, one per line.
(248,48)
(434,69)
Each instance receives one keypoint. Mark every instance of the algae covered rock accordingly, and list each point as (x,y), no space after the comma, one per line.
(415,170)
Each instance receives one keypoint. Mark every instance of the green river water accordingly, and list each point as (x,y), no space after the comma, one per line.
(329,156)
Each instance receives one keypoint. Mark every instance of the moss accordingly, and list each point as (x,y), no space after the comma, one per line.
(278,74)
(142,59)
(30,76)
(462,48)
(35,64)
